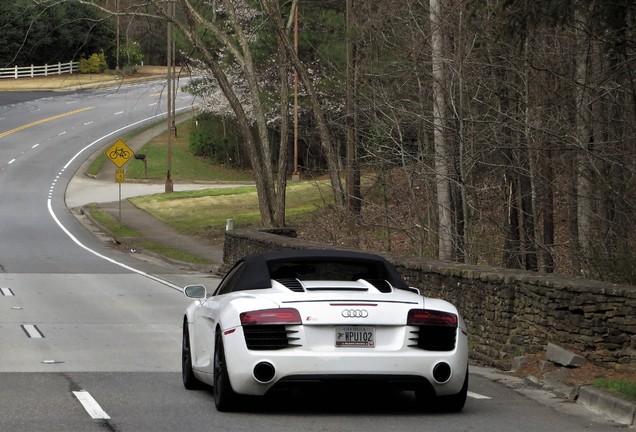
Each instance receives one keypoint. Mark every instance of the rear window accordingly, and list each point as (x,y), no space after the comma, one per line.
(326,270)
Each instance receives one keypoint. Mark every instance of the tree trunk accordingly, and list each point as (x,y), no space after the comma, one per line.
(261,165)
(281,184)
(527,216)
(442,154)
(263,148)
(512,243)
(527,173)
(584,138)
(548,212)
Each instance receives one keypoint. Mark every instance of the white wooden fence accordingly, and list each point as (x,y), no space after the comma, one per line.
(35,71)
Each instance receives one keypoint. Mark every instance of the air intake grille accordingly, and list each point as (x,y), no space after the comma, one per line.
(434,338)
(269,337)
(292,283)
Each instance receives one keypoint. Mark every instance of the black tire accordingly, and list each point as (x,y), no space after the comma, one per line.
(225,398)
(189,380)
(427,401)
(456,402)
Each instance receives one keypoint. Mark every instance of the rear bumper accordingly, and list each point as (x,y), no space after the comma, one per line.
(407,368)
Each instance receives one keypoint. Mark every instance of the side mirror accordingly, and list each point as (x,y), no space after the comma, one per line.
(195,292)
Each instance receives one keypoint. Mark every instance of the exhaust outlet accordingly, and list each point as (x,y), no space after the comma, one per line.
(264,372)
(442,372)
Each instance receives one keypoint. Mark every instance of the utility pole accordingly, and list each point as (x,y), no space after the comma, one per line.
(170,108)
(117,41)
(353,174)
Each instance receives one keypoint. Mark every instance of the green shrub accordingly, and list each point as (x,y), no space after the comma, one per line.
(96,63)
(131,56)
(218,140)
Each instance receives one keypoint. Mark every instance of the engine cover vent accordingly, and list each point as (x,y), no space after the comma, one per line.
(292,283)
(381,285)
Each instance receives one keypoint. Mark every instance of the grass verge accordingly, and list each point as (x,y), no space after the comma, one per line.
(171,252)
(623,387)
(110,223)
(204,213)
(135,240)
(185,166)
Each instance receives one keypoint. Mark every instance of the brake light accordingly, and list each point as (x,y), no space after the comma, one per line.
(431,317)
(271,316)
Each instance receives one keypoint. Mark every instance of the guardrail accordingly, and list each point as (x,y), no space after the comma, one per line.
(35,71)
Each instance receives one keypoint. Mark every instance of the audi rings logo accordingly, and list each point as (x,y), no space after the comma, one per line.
(355,313)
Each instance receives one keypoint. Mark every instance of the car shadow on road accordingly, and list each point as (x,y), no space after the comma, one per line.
(337,401)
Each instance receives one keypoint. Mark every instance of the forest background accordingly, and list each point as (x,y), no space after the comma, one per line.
(497,132)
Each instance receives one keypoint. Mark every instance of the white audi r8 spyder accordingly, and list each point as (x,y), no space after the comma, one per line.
(293,318)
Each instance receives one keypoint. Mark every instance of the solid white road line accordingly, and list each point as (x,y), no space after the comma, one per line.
(74,239)
(90,405)
(477,396)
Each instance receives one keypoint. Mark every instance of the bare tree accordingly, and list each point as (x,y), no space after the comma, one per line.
(442,153)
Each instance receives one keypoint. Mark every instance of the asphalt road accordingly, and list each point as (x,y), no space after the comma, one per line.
(90,335)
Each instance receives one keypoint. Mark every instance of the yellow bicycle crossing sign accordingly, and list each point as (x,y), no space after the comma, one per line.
(119,153)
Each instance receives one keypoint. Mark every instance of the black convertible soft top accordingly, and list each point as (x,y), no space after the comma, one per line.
(259,269)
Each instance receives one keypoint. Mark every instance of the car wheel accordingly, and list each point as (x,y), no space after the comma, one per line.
(456,402)
(224,397)
(427,401)
(189,380)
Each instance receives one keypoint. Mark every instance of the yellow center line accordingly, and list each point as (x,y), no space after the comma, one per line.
(44,120)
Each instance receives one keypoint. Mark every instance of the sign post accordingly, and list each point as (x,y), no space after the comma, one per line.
(119,179)
(119,153)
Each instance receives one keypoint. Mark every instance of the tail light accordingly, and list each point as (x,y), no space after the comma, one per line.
(271,316)
(435,330)
(419,317)
(266,329)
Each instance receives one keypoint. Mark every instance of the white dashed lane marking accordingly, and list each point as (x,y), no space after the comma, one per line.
(32,331)
(90,405)
(477,396)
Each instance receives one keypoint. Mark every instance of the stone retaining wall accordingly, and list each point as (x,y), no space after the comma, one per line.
(508,312)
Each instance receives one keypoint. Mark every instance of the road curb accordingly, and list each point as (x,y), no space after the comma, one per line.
(597,402)
(608,405)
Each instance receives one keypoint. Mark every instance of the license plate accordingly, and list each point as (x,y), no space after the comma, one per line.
(355,336)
